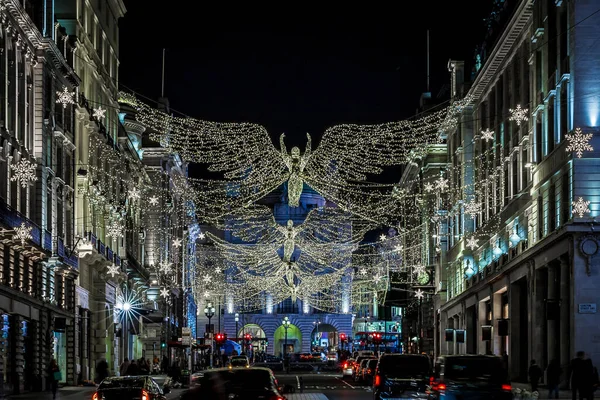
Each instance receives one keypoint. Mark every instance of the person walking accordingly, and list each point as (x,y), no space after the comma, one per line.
(123,367)
(582,372)
(535,373)
(54,376)
(101,370)
(133,369)
(553,373)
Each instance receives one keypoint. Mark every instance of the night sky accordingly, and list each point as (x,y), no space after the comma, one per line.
(292,73)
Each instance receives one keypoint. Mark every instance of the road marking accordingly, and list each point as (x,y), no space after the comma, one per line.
(345,383)
(298,381)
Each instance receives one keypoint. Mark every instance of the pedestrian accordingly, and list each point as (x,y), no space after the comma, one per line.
(124,366)
(54,376)
(133,369)
(535,373)
(164,365)
(553,372)
(301,380)
(582,372)
(101,370)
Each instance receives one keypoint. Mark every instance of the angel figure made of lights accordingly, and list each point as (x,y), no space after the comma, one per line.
(296,164)
(252,167)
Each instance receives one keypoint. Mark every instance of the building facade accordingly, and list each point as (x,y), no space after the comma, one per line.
(517,276)
(37,190)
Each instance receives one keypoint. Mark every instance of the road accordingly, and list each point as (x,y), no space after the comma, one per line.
(332,386)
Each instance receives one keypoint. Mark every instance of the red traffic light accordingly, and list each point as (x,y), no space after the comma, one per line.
(342,336)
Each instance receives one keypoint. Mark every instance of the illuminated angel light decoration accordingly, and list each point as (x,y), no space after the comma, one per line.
(518,114)
(23,233)
(487,134)
(65,97)
(580,207)
(579,142)
(24,172)
(252,167)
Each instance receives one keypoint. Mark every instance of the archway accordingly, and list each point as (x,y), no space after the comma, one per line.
(259,338)
(324,337)
(293,343)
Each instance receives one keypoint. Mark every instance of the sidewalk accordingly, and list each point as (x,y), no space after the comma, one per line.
(64,392)
(542,390)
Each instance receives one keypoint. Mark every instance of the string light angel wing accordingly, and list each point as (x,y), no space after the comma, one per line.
(242,152)
(259,259)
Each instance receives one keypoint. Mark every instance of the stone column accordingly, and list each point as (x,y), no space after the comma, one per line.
(17,357)
(552,296)
(538,329)
(565,315)
(85,361)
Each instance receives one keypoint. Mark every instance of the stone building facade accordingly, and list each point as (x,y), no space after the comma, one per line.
(527,287)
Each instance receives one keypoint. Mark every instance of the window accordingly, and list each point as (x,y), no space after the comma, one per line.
(563,112)
(550,125)
(538,138)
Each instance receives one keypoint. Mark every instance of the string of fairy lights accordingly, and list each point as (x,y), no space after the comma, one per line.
(259,260)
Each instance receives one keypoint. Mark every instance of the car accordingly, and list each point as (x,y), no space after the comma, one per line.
(347,368)
(122,387)
(332,356)
(470,376)
(402,376)
(239,362)
(236,384)
(368,372)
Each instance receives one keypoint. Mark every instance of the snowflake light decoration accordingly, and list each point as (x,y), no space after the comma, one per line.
(177,243)
(418,269)
(382,237)
(441,184)
(153,201)
(579,142)
(113,270)
(99,113)
(24,172)
(165,267)
(419,294)
(472,243)
(207,279)
(487,135)
(398,248)
(134,194)
(23,233)
(518,114)
(65,97)
(428,187)
(164,292)
(115,229)
(580,207)
(472,208)
(201,236)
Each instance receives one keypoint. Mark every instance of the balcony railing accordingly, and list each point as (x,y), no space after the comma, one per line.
(103,249)
(11,218)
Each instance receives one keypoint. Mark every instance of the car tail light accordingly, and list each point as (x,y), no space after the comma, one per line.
(377,381)
(276,398)
(345,365)
(441,386)
(145,395)
(368,371)
(506,387)
(95,396)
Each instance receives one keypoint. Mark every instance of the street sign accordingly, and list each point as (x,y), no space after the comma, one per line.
(587,308)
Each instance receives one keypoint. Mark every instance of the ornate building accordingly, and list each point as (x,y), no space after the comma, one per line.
(518,275)
(38,267)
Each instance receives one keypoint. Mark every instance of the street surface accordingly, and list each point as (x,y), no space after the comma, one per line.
(317,386)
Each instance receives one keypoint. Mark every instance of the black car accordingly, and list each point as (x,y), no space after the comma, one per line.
(130,388)
(237,383)
(471,377)
(402,376)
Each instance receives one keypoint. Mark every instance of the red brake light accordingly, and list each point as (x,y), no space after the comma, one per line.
(442,386)
(506,387)
(345,365)
(145,395)
(95,396)
(431,380)
(377,380)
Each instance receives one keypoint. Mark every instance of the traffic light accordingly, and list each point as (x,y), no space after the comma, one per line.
(248,338)
(163,345)
(220,339)
(376,338)
(343,337)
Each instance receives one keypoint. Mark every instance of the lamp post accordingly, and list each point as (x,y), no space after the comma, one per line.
(124,309)
(237,319)
(317,322)
(209,312)
(286,325)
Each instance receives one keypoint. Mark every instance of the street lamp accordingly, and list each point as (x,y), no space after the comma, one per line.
(237,319)
(317,322)
(209,311)
(286,325)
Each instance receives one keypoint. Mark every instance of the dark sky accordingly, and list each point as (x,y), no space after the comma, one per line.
(292,73)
